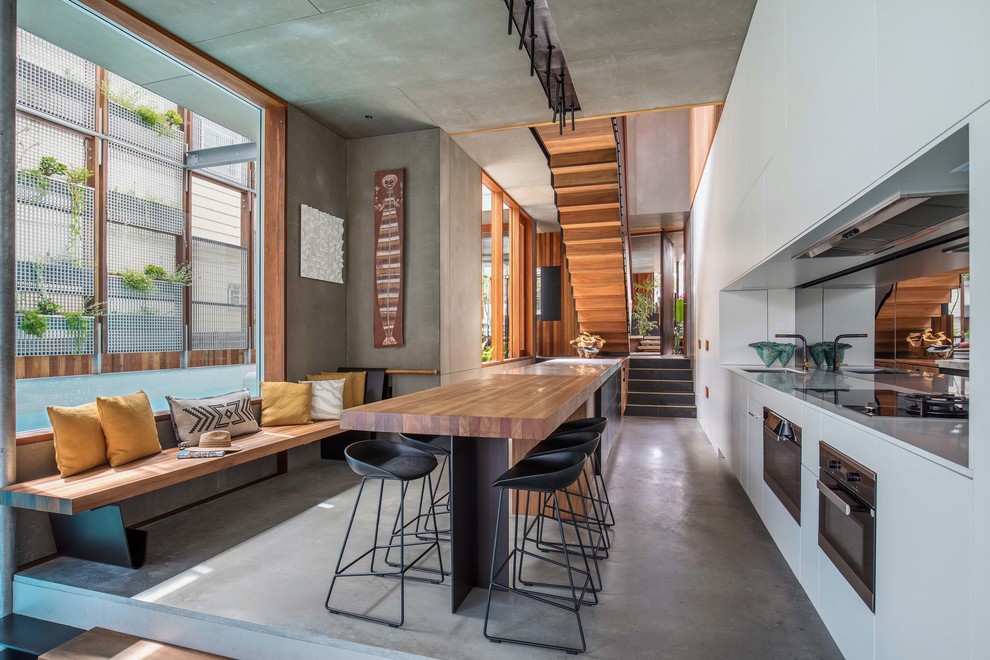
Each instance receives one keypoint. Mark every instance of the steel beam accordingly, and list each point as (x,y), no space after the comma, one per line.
(8,427)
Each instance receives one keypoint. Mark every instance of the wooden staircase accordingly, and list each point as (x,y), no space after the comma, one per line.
(912,306)
(585,173)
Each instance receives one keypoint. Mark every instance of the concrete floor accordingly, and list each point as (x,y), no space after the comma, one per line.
(693,572)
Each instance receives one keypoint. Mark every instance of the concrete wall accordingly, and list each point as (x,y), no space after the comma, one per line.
(315,311)
(460,260)
(419,153)
(659,150)
(828,100)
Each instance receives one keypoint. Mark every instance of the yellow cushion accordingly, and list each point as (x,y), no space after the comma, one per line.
(356,382)
(129,426)
(284,404)
(79,441)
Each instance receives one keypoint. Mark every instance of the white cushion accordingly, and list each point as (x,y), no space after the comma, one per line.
(328,398)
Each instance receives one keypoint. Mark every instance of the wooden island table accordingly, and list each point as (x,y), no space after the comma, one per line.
(494,421)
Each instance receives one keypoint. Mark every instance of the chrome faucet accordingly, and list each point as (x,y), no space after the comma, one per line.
(804,343)
(835,348)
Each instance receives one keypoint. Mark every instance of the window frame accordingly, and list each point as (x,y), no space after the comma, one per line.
(521,273)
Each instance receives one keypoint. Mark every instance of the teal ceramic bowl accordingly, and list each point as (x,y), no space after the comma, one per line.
(767,350)
(786,353)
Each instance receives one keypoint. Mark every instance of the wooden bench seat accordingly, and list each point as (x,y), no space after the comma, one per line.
(107,485)
(100,644)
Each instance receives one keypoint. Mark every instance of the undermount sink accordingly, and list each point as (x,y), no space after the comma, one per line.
(870,370)
(771,370)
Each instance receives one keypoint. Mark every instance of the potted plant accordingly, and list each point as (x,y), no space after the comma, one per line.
(644,307)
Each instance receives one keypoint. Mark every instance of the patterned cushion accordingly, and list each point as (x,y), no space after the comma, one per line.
(192,418)
(328,399)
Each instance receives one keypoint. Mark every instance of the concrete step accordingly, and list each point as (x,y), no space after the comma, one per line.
(638,362)
(660,373)
(661,398)
(33,636)
(654,385)
(661,411)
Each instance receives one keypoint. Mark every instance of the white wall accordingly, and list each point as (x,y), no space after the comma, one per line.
(827,100)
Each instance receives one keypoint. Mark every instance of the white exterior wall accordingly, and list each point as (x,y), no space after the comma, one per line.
(827,100)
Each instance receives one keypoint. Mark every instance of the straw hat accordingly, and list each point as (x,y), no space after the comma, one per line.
(215,441)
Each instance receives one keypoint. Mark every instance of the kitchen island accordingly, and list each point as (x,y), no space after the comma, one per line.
(494,420)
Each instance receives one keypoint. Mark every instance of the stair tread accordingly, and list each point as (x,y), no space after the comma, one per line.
(35,636)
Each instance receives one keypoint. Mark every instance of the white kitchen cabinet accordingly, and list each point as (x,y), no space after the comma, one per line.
(785,531)
(924,558)
(810,553)
(811,435)
(848,619)
(754,450)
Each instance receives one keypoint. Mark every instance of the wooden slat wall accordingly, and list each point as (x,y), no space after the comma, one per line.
(553,337)
(703,122)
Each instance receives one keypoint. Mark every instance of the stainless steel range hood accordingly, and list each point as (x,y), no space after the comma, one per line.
(899,222)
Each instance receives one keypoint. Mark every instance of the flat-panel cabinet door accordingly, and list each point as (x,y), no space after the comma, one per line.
(924,555)
(754,457)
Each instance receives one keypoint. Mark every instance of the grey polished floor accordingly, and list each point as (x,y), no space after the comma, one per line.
(693,572)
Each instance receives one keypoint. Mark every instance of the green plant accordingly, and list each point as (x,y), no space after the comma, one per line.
(51,166)
(77,177)
(155,272)
(644,307)
(47,306)
(182,275)
(164,123)
(138,281)
(34,323)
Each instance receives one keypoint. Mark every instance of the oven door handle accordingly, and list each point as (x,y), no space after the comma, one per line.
(838,501)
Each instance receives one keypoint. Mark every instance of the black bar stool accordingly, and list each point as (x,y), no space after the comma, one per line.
(587,443)
(597,425)
(439,446)
(387,461)
(544,475)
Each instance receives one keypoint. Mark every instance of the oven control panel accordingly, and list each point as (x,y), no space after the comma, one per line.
(854,477)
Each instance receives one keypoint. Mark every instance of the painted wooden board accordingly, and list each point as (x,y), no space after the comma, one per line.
(106,485)
(389,212)
(524,403)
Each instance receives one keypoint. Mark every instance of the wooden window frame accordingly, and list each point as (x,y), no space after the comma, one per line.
(521,274)
(271,188)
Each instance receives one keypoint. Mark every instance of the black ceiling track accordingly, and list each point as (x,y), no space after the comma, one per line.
(537,34)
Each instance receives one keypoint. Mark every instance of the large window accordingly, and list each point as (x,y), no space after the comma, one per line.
(506,277)
(128,259)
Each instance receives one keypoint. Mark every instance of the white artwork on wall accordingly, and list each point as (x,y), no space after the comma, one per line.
(321,249)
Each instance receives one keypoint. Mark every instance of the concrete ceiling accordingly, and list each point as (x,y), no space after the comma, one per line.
(515,161)
(413,64)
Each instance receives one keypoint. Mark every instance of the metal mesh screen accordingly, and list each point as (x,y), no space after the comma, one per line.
(220,296)
(55,82)
(139,322)
(133,248)
(207,134)
(54,239)
(143,191)
(137,116)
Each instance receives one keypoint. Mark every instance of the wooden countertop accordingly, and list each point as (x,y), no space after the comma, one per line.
(526,403)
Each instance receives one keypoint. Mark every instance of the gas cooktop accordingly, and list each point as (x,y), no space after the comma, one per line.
(891,403)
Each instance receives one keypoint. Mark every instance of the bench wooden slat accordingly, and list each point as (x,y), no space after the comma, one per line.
(106,485)
(101,643)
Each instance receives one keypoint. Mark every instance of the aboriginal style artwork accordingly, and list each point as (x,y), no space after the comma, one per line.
(388,258)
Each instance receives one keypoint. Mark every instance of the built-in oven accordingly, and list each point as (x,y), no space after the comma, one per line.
(847,523)
(782,461)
